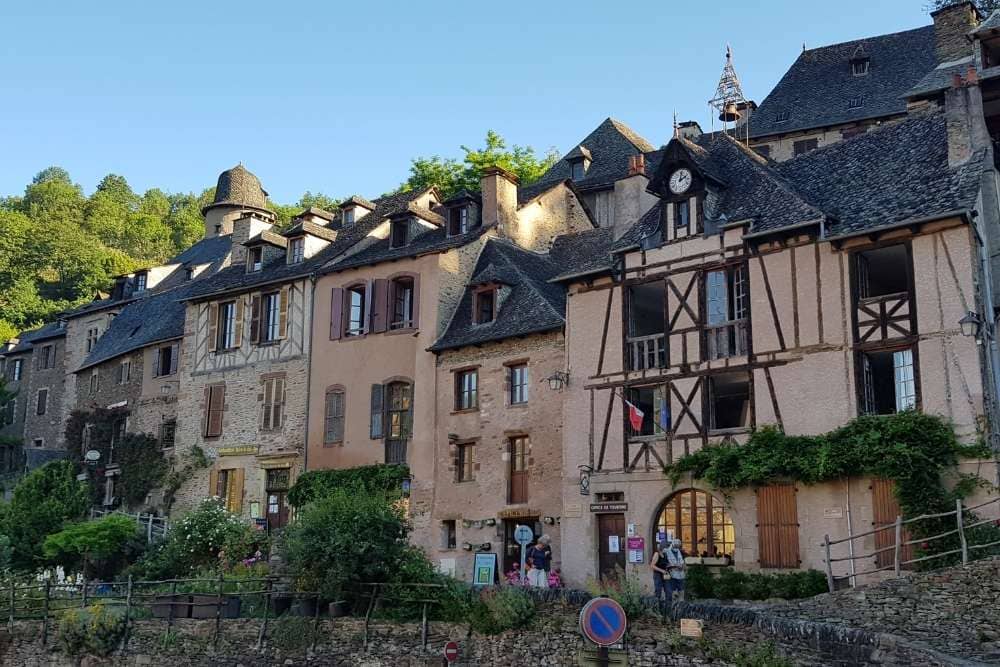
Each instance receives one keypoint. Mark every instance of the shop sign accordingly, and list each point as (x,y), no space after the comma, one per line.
(608,507)
(518,513)
(238,450)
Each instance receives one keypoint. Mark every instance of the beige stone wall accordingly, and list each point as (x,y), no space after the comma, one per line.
(782,147)
(76,353)
(20,388)
(50,427)
(489,427)
(539,221)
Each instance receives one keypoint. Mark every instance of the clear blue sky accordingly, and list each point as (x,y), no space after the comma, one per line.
(337,97)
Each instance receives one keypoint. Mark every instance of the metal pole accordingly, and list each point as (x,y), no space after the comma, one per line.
(45,613)
(897,552)
(829,565)
(524,575)
(218,612)
(961,531)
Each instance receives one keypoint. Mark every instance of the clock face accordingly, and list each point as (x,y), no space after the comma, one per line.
(680,181)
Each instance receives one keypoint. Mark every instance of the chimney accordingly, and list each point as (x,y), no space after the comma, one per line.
(249,225)
(966,122)
(631,199)
(689,129)
(951,27)
(499,189)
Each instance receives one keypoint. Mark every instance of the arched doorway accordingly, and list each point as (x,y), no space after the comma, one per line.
(700,521)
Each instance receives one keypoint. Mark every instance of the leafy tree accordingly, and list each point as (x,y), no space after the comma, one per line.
(319,200)
(987,7)
(86,546)
(43,502)
(109,210)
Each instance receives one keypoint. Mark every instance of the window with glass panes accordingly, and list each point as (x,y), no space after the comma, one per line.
(466,389)
(355,310)
(298,250)
(465,470)
(271,314)
(227,325)
(398,413)
(518,384)
(700,521)
(402,303)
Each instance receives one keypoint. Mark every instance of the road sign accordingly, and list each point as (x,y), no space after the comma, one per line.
(451,651)
(603,621)
(523,535)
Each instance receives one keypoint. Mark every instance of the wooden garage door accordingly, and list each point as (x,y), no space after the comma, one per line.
(885,509)
(778,526)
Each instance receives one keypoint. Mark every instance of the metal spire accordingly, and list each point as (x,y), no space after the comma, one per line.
(729,90)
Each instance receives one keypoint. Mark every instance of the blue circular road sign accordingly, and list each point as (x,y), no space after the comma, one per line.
(603,621)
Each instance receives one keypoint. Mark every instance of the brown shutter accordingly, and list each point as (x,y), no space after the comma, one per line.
(206,410)
(283,313)
(156,362)
(216,407)
(234,503)
(885,509)
(381,309)
(238,324)
(778,526)
(175,351)
(368,308)
(255,318)
(213,326)
(378,412)
(279,402)
(336,313)
(416,302)
(265,421)
(213,482)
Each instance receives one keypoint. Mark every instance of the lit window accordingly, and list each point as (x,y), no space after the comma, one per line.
(466,390)
(700,521)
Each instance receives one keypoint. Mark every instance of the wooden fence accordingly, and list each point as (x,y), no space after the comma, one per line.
(894,536)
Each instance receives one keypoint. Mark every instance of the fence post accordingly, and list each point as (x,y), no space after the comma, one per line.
(45,613)
(149,527)
(173,601)
(829,565)
(423,627)
(312,648)
(898,550)
(218,612)
(128,613)
(961,531)
(267,608)
(12,603)
(368,614)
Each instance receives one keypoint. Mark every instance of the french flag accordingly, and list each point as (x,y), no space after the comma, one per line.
(635,416)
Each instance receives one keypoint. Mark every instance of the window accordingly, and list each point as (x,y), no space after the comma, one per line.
(399,233)
(188,273)
(215,405)
(47,356)
(465,469)
(88,432)
(402,303)
(518,384)
(9,412)
(856,102)
(449,534)
(518,454)
(94,382)
(228,486)
(859,67)
(92,335)
(334,421)
(700,521)
(356,310)
(888,382)
(347,217)
(274,404)
(466,390)
(458,220)
(42,401)
(227,325)
(579,170)
(270,317)
(649,412)
(729,401)
(38,442)
(255,259)
(17,367)
(646,326)
(485,305)
(804,146)
(778,526)
(682,214)
(781,117)
(399,421)
(140,282)
(763,151)
(727,309)
(124,371)
(882,271)
(168,433)
(222,484)
(297,250)
(165,360)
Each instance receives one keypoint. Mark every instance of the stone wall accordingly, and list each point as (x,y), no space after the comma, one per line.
(47,428)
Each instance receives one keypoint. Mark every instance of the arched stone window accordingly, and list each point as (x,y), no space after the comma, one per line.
(700,521)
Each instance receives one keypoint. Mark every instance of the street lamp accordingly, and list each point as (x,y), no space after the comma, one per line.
(970,324)
(557,380)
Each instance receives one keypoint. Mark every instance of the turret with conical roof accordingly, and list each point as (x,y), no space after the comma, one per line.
(237,191)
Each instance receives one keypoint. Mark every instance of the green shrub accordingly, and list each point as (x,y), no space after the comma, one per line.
(372,479)
(730,584)
(96,630)
(626,591)
(500,609)
(91,547)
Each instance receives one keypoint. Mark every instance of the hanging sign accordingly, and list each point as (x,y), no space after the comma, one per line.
(609,507)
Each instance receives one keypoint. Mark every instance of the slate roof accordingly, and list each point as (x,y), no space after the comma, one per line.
(532,305)
(306,227)
(582,254)
(816,88)
(939,78)
(318,212)
(609,146)
(205,251)
(238,187)
(991,23)
(27,339)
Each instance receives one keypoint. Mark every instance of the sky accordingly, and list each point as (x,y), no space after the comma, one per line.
(338,97)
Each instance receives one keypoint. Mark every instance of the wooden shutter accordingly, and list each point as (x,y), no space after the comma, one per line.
(336,313)
(279,403)
(234,501)
(367,315)
(885,509)
(213,482)
(255,318)
(156,362)
(213,326)
(205,409)
(265,422)
(238,323)
(175,351)
(778,526)
(408,427)
(283,313)
(216,403)
(415,305)
(381,308)
(377,411)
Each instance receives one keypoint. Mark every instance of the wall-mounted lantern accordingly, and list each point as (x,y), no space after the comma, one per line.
(557,380)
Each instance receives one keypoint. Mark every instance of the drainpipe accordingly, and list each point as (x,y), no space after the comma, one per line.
(309,365)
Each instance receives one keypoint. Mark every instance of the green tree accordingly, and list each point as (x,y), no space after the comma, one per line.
(53,198)
(86,546)
(109,210)
(185,220)
(987,7)
(319,200)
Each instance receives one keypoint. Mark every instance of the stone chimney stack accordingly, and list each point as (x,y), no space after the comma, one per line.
(951,27)
(499,190)
(966,122)
(631,199)
(245,228)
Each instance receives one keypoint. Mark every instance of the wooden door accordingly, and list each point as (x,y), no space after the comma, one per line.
(277,510)
(518,450)
(611,545)
(778,526)
(885,509)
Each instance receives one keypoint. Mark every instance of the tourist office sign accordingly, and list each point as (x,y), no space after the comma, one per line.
(608,508)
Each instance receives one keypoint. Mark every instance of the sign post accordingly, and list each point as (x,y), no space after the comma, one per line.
(451,652)
(603,622)
(523,535)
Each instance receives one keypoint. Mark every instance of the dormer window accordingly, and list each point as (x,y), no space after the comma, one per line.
(218,230)
(189,273)
(682,214)
(255,259)
(484,305)
(579,168)
(140,282)
(347,217)
(859,66)
(781,117)
(296,250)
(856,102)
(458,220)
(399,233)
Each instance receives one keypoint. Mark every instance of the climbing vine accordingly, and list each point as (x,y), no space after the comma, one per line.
(316,484)
(912,449)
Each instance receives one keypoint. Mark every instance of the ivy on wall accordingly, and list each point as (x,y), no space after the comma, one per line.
(372,478)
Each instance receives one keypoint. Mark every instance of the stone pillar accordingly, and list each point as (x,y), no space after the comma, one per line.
(951,27)
(244,229)
(499,189)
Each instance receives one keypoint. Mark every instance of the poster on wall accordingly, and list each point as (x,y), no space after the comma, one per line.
(484,572)
(613,544)
(636,549)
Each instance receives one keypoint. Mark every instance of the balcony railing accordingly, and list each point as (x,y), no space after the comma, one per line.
(646,352)
(395,451)
(728,339)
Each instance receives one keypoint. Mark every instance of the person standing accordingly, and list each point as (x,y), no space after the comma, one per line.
(540,558)
(676,571)
(658,566)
